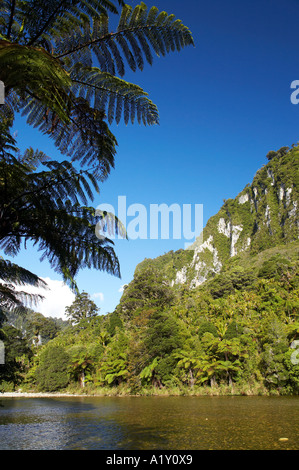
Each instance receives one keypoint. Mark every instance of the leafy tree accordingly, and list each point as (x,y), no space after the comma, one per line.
(147,374)
(207,327)
(15,346)
(150,288)
(233,331)
(280,153)
(275,267)
(40,327)
(114,322)
(115,370)
(162,335)
(53,371)
(82,359)
(190,361)
(83,308)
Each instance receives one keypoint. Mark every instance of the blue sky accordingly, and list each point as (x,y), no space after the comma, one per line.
(223,105)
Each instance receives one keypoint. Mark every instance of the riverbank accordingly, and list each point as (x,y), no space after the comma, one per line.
(38,394)
(122,391)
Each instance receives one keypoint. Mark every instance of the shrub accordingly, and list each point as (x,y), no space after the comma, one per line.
(52,373)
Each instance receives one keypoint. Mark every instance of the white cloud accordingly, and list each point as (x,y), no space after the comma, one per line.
(122,288)
(98,295)
(56,298)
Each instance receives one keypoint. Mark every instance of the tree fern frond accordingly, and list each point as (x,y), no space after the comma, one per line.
(117,93)
(14,274)
(45,207)
(86,138)
(42,75)
(137,32)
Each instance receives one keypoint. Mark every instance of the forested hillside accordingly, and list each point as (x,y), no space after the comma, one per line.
(219,318)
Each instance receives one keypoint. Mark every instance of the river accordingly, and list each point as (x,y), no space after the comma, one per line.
(149,423)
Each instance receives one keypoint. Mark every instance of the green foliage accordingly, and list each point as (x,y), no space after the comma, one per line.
(233,332)
(16,352)
(82,309)
(241,340)
(147,373)
(226,282)
(60,62)
(47,207)
(162,335)
(280,153)
(207,327)
(35,326)
(148,287)
(114,323)
(52,373)
(275,267)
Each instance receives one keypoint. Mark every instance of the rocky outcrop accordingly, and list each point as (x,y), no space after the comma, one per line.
(263,215)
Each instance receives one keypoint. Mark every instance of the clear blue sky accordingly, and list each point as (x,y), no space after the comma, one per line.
(223,105)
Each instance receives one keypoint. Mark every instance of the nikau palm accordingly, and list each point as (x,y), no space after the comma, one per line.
(63,69)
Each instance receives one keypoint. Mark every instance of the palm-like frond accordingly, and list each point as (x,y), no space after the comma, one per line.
(45,207)
(113,95)
(139,32)
(11,277)
(31,21)
(34,73)
(60,62)
(85,138)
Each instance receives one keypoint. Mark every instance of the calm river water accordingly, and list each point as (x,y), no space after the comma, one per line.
(149,423)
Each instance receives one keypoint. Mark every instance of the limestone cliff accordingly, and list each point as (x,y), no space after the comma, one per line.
(263,215)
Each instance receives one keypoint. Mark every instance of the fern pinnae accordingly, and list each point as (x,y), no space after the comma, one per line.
(101,27)
(117,57)
(145,46)
(133,111)
(127,52)
(109,62)
(152,15)
(124,17)
(119,108)
(130,37)
(111,108)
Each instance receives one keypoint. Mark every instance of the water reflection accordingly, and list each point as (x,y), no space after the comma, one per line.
(140,423)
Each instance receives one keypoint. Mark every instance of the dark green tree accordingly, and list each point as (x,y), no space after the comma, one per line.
(53,371)
(207,327)
(83,308)
(40,328)
(149,287)
(162,335)
(15,346)
(279,153)
(234,330)
(114,322)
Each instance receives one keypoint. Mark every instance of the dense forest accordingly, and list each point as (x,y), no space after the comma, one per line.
(218,318)
(235,333)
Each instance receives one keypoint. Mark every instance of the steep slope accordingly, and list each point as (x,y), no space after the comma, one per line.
(263,215)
